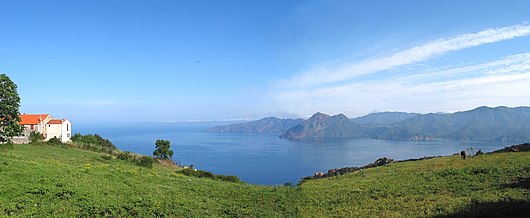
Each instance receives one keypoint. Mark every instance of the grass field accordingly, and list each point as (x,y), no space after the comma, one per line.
(43,180)
(445,186)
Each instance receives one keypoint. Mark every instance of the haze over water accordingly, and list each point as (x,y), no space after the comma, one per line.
(266,159)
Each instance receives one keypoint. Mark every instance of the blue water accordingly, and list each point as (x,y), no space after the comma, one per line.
(264,158)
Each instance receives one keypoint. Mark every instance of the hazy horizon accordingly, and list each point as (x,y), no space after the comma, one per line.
(174,61)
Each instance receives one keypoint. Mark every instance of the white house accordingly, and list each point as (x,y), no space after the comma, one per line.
(47,126)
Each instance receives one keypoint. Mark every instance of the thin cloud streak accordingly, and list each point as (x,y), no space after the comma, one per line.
(500,82)
(329,76)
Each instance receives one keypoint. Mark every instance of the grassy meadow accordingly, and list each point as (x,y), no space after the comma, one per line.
(44,180)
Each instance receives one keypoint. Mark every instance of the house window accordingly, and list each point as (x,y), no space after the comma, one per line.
(67,127)
(31,127)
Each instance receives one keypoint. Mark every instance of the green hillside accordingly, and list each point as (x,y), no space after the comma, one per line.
(490,185)
(43,180)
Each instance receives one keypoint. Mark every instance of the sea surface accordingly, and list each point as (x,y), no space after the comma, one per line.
(264,158)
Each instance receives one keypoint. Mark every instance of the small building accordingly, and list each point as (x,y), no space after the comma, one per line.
(60,128)
(34,122)
(47,126)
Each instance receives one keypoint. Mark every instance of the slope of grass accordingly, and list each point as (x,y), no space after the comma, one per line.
(445,186)
(43,180)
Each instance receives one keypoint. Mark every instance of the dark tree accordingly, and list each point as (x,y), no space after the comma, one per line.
(9,110)
(162,150)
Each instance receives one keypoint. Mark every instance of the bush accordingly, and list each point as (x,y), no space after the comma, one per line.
(125,156)
(55,141)
(35,137)
(93,142)
(145,161)
(206,174)
(479,152)
(227,178)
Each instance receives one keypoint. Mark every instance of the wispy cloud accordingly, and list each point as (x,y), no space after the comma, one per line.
(499,82)
(408,56)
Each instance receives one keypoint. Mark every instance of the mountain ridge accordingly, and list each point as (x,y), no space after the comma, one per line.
(511,124)
(482,123)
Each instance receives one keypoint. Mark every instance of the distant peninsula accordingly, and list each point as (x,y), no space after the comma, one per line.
(265,125)
(482,123)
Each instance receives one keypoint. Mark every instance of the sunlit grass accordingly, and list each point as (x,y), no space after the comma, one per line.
(43,180)
(439,186)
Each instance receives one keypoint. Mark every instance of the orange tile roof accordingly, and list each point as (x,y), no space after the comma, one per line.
(56,121)
(32,119)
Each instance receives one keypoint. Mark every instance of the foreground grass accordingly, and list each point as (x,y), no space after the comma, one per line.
(42,180)
(493,185)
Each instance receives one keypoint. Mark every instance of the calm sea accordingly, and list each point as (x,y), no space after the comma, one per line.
(264,158)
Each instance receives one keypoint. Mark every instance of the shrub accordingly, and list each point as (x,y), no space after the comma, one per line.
(93,142)
(55,141)
(206,174)
(479,152)
(35,137)
(145,161)
(125,156)
(227,178)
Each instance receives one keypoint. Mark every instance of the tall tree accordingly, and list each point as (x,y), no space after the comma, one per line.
(162,150)
(9,110)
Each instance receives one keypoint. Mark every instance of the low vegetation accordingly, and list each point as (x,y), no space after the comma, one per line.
(93,142)
(42,180)
(205,174)
(35,137)
(496,185)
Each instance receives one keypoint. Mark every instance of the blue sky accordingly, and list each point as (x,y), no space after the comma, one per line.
(115,60)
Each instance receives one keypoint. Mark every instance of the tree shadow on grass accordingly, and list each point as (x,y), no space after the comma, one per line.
(505,208)
(508,208)
(521,182)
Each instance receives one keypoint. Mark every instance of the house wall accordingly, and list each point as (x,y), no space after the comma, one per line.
(66,132)
(61,131)
(53,130)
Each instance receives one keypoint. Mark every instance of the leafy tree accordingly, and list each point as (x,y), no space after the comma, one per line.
(162,150)
(35,137)
(9,110)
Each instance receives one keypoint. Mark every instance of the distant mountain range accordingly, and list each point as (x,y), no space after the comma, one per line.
(265,125)
(383,118)
(483,123)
